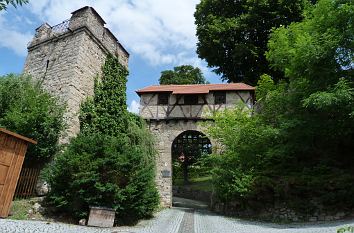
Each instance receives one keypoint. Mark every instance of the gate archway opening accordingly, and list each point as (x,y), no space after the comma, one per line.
(187,149)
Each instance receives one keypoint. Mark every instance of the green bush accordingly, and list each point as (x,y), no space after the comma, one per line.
(30,111)
(101,170)
(111,163)
(345,229)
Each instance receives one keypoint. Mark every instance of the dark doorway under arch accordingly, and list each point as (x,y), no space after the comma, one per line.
(187,148)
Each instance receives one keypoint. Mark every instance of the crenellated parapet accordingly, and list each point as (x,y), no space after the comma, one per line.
(84,19)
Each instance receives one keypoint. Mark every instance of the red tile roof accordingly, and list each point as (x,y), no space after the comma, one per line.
(196,88)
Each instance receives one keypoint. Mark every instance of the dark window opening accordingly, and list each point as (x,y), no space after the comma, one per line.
(220,97)
(191,99)
(162,99)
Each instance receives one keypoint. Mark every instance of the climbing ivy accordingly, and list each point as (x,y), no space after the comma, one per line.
(107,111)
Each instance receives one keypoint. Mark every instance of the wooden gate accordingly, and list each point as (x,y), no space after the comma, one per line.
(26,184)
(13,148)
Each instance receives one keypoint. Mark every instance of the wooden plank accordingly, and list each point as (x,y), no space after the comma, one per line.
(3,198)
(34,178)
(17,136)
(20,184)
(3,173)
(14,176)
(8,180)
(28,185)
(24,179)
(6,157)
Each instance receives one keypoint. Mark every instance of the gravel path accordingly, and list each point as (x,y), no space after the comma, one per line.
(17,226)
(176,220)
(206,222)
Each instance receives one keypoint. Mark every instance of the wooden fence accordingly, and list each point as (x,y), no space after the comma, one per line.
(26,185)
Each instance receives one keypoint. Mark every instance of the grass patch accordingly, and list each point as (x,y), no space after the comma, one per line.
(19,210)
(197,183)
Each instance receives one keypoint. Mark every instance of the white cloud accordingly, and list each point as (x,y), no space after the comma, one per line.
(157,30)
(12,38)
(162,32)
(134,107)
(15,40)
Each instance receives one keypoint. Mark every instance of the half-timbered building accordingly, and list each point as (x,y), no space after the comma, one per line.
(173,113)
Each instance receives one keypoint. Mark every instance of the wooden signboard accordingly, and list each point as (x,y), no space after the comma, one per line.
(13,148)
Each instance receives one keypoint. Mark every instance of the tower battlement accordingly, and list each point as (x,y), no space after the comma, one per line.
(67,57)
(86,19)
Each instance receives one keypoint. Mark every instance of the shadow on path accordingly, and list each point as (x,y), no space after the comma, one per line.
(188,203)
(198,218)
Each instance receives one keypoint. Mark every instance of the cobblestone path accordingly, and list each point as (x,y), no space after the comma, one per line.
(177,220)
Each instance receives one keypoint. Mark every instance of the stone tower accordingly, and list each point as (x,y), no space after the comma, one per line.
(67,57)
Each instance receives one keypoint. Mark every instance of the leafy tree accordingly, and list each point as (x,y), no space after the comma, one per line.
(30,111)
(319,49)
(185,74)
(246,140)
(298,148)
(111,162)
(317,57)
(15,3)
(233,35)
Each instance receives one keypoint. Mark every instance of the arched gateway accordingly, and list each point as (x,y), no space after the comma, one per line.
(175,111)
(187,148)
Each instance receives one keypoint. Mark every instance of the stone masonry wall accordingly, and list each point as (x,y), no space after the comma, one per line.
(67,57)
(279,212)
(165,132)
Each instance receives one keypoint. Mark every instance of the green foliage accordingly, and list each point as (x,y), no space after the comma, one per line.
(109,101)
(233,35)
(298,148)
(246,141)
(337,97)
(345,229)
(111,162)
(320,48)
(15,3)
(185,74)
(102,170)
(319,99)
(30,111)
(264,85)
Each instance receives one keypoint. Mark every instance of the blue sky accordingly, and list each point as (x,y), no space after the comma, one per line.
(158,34)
